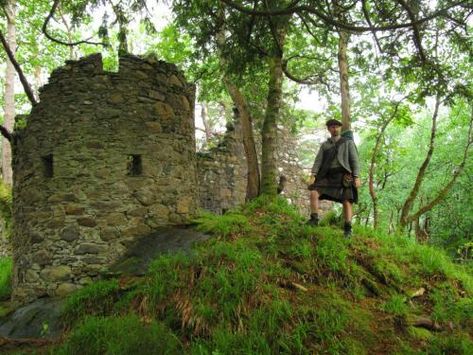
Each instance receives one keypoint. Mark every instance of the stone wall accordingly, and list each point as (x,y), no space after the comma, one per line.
(104,158)
(222,173)
(290,166)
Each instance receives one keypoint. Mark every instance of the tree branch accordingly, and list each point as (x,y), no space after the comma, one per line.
(368,20)
(330,21)
(24,82)
(374,197)
(442,193)
(305,81)
(45,32)
(5,133)
(415,30)
(274,33)
(420,174)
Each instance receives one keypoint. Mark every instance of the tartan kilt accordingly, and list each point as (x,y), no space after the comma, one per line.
(331,187)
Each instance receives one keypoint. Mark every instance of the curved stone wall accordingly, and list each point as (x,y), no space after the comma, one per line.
(104,158)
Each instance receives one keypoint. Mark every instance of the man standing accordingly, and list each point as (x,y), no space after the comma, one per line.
(335,175)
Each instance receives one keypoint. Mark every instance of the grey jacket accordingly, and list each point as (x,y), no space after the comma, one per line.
(347,156)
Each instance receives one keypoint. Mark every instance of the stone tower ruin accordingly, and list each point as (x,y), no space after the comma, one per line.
(104,158)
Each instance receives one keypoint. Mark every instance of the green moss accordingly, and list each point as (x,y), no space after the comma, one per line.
(419,333)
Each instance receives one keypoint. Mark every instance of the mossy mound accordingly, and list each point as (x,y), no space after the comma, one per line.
(269,284)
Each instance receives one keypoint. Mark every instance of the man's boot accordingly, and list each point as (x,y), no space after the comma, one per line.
(347,230)
(314,219)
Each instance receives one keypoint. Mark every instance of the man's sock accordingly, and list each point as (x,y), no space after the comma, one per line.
(314,219)
(347,231)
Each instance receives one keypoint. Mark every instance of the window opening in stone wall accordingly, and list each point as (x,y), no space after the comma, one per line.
(134,166)
(48,170)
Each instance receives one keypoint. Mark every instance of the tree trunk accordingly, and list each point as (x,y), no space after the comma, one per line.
(37,78)
(253,177)
(442,194)
(374,153)
(269,131)
(204,114)
(407,207)
(344,87)
(9,108)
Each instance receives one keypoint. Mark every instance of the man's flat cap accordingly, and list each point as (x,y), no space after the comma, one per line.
(333,122)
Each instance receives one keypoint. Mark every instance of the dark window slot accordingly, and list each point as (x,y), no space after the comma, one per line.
(135,165)
(48,167)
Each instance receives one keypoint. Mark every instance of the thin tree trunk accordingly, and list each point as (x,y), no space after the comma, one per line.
(374,153)
(37,78)
(9,108)
(344,87)
(443,192)
(204,114)
(269,131)
(407,207)
(253,177)
(391,227)
(273,106)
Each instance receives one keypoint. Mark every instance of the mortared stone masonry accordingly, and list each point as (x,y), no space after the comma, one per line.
(103,159)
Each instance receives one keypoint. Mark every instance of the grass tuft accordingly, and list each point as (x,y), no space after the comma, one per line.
(95,299)
(120,335)
(5,277)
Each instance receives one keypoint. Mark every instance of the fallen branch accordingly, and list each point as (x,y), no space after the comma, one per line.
(33,342)
(426,323)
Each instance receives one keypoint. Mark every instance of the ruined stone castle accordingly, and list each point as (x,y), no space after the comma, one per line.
(106,158)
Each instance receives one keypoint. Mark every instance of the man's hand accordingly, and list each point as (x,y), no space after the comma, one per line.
(312,179)
(357,182)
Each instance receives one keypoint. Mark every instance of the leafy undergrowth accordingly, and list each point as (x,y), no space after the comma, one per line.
(269,284)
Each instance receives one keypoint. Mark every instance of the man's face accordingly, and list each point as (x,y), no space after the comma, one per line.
(334,130)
